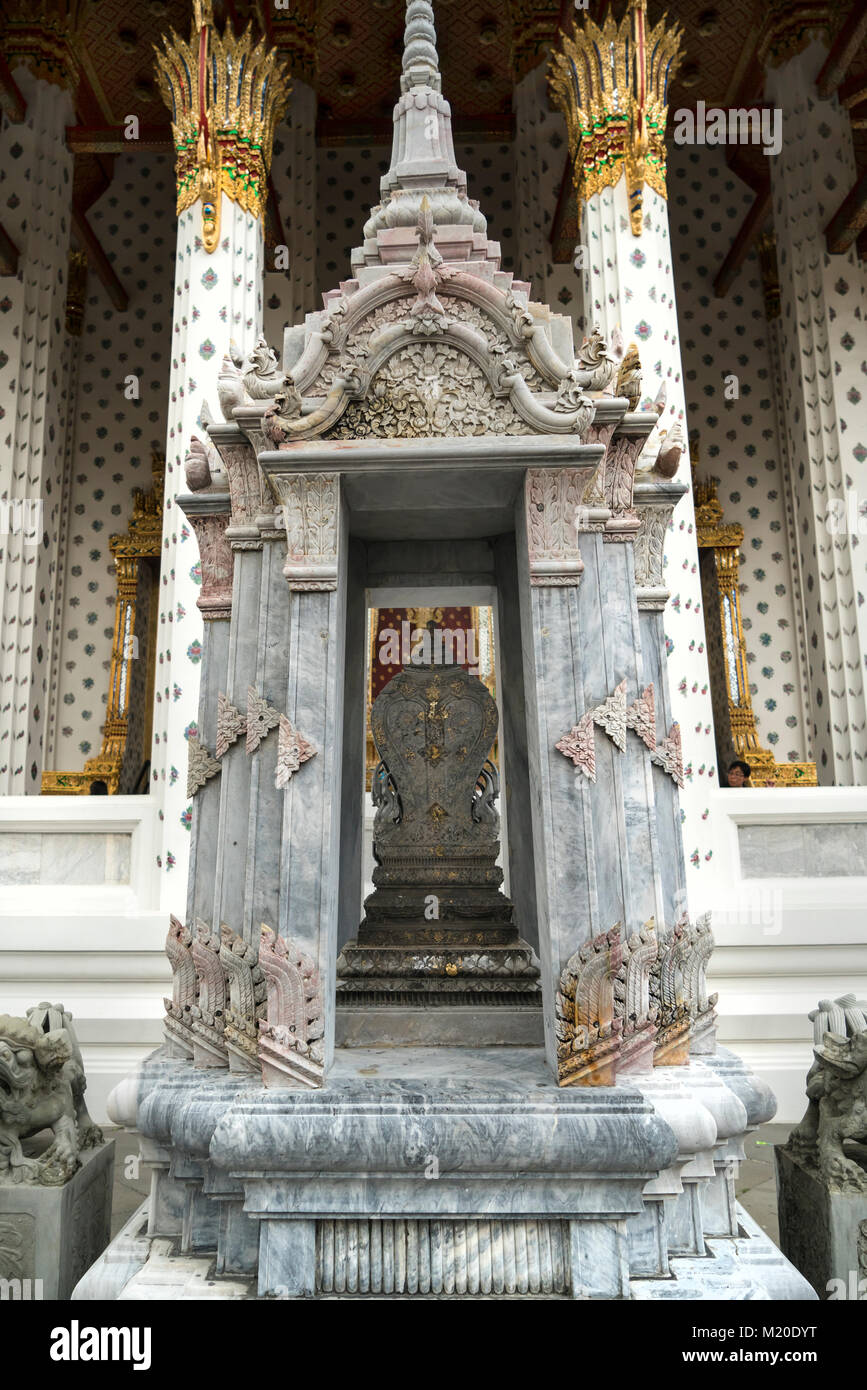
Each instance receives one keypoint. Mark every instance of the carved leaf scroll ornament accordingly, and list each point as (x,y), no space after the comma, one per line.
(201,766)
(641,717)
(669,755)
(610,715)
(261,719)
(580,745)
(231,723)
(293,749)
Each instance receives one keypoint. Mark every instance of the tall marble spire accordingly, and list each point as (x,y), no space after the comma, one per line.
(423,164)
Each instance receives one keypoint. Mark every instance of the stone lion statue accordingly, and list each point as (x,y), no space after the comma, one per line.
(42,1088)
(833,1133)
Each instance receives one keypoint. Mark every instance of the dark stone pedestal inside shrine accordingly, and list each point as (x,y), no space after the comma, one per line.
(438,959)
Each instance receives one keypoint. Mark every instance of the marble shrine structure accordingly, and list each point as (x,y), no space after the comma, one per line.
(467,1087)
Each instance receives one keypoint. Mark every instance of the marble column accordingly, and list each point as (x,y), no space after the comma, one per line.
(596,849)
(823,305)
(316,572)
(218,298)
(75,302)
(209,517)
(629,289)
(264,821)
(655,502)
(767,249)
(33,414)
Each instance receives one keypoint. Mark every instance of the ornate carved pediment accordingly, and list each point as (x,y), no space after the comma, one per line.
(457,356)
(427,390)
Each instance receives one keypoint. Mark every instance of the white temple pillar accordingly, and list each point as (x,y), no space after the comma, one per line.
(629,286)
(767,249)
(218,298)
(823,306)
(534,204)
(294,176)
(76,293)
(33,420)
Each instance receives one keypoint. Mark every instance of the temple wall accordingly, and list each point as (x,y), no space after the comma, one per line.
(114,436)
(738,439)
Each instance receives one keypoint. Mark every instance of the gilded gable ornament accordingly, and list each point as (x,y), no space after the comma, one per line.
(612,84)
(226,95)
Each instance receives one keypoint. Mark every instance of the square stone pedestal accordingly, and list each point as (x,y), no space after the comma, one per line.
(819,1229)
(54,1234)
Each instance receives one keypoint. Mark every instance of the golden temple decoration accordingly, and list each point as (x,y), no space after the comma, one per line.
(612,85)
(293,31)
(41,34)
(789,26)
(226,95)
(140,543)
(534,26)
(721,542)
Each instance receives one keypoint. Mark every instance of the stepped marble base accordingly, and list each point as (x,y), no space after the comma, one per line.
(482,1260)
(436,1172)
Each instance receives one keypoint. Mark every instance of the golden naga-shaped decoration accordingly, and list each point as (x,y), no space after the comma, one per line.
(130,681)
(612,85)
(719,544)
(226,95)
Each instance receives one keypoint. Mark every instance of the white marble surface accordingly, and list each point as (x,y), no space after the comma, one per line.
(52,857)
(803,851)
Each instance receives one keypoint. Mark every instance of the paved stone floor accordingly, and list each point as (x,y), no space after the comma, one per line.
(756,1185)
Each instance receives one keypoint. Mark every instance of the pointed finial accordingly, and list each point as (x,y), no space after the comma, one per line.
(421,66)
